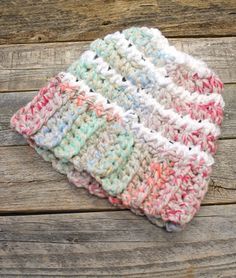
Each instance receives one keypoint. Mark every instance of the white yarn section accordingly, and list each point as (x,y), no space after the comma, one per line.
(179,57)
(149,101)
(153,139)
(195,97)
(175,55)
(134,55)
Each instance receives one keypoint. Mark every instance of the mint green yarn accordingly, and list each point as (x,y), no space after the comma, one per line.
(138,36)
(143,40)
(79,134)
(117,182)
(102,84)
(129,69)
(114,157)
(87,72)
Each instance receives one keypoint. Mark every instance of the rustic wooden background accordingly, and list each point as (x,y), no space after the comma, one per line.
(50,228)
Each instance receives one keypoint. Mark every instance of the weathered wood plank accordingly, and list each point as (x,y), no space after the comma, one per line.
(86,20)
(11,102)
(118,244)
(27,67)
(29,184)
(229,122)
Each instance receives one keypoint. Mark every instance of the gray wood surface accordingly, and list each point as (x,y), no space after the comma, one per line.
(118,244)
(49,227)
(57,20)
(28,66)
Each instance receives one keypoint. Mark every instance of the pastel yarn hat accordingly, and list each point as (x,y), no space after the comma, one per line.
(132,120)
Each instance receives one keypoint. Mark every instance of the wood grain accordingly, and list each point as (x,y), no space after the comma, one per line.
(118,244)
(27,67)
(57,20)
(223,185)
(75,234)
(29,184)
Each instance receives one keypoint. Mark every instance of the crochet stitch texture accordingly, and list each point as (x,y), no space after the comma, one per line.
(133,120)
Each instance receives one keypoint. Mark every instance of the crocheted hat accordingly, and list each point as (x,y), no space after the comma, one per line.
(133,120)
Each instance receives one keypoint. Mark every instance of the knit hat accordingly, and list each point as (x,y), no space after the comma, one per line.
(133,120)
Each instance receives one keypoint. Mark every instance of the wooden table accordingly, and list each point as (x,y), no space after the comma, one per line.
(50,228)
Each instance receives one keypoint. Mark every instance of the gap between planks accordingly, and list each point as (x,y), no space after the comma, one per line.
(28,67)
(87,20)
(118,244)
(30,184)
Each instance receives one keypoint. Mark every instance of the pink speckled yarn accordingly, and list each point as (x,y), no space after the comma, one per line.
(133,120)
